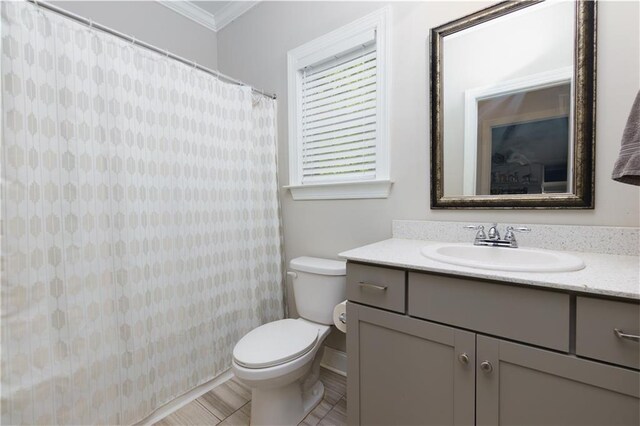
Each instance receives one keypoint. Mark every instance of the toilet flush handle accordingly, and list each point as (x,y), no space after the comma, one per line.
(292,274)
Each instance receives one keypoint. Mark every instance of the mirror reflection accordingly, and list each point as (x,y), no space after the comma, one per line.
(523,144)
(514,100)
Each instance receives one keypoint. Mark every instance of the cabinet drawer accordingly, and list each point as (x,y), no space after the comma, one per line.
(375,286)
(528,315)
(596,321)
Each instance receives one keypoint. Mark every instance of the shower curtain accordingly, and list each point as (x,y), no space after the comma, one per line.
(140,225)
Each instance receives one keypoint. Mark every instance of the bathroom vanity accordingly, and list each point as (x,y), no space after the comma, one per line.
(434,344)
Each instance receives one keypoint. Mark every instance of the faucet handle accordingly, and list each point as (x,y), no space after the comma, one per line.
(518,229)
(480,235)
(509,236)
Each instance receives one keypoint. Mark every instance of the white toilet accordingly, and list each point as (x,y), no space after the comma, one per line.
(280,361)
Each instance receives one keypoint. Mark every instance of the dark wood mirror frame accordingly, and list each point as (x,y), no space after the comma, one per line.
(584,103)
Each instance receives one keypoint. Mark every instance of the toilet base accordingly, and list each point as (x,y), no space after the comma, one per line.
(285,405)
(312,398)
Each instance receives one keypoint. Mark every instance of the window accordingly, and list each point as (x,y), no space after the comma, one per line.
(338,142)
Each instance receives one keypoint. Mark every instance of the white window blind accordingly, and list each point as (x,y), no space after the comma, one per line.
(338,118)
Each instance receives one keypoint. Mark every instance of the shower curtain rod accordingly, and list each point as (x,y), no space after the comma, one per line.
(91,24)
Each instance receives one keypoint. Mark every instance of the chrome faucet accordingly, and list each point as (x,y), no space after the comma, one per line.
(480,235)
(494,234)
(493,237)
(510,236)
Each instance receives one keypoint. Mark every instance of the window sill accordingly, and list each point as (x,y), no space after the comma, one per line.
(341,190)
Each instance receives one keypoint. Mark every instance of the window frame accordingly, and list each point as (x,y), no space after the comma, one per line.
(321,49)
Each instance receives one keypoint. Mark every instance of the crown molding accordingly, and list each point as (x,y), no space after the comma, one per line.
(230,12)
(191,11)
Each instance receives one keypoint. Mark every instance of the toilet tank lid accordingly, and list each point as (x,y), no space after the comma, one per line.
(316,265)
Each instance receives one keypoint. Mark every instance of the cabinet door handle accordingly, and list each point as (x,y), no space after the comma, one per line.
(622,335)
(486,367)
(463,358)
(372,286)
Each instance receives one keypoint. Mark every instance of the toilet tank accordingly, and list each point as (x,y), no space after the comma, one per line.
(319,285)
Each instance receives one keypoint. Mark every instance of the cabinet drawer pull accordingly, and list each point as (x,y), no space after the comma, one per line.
(463,358)
(372,286)
(486,367)
(622,335)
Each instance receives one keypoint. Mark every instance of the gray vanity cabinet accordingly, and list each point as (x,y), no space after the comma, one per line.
(460,351)
(524,385)
(408,371)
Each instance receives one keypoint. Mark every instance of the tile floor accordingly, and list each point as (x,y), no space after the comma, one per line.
(230,404)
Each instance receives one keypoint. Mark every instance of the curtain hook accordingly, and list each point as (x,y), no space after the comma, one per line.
(195,65)
(166,53)
(90,24)
(133,41)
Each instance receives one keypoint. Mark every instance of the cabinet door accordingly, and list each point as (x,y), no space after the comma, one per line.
(522,385)
(405,371)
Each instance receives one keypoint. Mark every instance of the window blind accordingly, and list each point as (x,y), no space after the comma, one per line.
(339,118)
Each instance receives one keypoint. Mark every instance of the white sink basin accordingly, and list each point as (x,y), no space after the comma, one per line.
(503,258)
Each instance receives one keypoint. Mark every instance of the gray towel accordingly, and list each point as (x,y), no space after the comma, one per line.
(627,168)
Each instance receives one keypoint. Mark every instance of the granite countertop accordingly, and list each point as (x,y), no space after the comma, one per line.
(604,274)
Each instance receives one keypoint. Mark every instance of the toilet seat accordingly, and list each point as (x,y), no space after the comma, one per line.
(275,343)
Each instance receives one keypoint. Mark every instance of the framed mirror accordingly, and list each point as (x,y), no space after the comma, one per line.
(513,107)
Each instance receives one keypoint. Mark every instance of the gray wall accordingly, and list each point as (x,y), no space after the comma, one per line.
(153,23)
(253,48)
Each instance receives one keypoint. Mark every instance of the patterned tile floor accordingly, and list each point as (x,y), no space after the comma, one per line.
(230,404)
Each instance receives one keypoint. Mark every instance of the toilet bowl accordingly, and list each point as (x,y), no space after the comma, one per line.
(280,360)
(275,376)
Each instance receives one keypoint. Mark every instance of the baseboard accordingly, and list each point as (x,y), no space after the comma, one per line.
(334,360)
(179,402)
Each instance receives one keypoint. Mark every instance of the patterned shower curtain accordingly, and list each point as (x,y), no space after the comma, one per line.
(140,224)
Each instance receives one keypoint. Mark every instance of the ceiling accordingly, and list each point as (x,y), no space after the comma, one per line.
(212,7)
(212,14)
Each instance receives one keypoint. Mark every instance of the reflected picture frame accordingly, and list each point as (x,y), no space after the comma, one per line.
(583,127)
